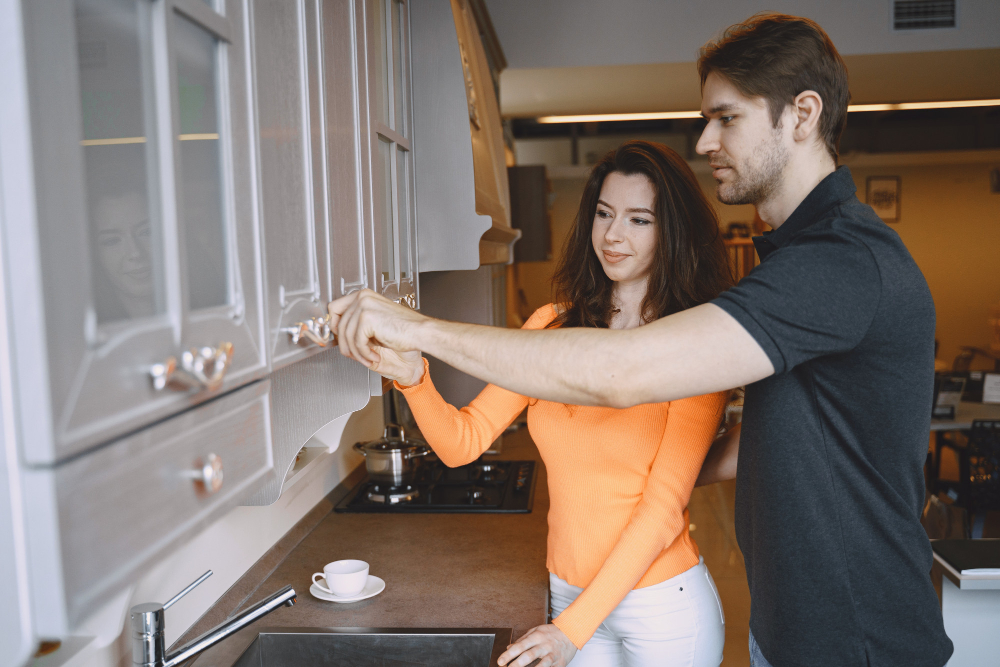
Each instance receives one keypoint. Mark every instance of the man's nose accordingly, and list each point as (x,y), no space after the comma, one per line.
(709,140)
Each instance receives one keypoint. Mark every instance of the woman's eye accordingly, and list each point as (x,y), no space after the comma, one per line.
(603,214)
(640,221)
(109,240)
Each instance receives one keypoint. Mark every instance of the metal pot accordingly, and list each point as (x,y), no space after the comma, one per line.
(392,461)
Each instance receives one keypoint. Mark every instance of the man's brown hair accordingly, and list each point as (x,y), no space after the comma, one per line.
(777,56)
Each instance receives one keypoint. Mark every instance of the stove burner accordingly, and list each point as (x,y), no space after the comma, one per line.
(476,496)
(392,495)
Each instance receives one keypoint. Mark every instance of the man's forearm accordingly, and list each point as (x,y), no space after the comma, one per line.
(691,353)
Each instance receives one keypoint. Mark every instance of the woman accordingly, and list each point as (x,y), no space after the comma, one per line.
(627,584)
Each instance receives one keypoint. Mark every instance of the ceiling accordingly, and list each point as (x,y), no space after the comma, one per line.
(594,56)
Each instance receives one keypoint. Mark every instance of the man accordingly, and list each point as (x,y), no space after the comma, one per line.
(833,334)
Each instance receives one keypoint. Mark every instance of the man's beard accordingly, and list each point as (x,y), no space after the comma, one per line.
(757,179)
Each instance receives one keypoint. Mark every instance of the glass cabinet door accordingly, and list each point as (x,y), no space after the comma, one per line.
(133,151)
(295,230)
(391,148)
(343,96)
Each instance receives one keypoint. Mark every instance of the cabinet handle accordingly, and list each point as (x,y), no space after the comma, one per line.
(207,475)
(315,330)
(199,368)
(408,300)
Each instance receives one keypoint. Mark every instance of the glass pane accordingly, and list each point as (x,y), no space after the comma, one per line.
(403,209)
(201,210)
(381,62)
(397,67)
(385,192)
(120,164)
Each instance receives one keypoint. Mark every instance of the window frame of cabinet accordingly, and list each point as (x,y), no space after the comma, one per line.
(387,276)
(81,384)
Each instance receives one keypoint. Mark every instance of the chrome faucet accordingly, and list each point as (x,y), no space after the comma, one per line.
(148,625)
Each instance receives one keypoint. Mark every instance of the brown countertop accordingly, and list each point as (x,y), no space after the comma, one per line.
(441,570)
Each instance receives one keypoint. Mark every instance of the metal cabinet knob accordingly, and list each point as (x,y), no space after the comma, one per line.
(199,368)
(314,330)
(207,474)
(408,300)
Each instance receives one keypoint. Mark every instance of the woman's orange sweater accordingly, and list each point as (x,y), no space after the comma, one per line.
(619,482)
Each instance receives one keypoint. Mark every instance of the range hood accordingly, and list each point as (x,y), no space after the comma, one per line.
(463,200)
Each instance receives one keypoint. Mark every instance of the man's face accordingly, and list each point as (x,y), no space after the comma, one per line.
(747,153)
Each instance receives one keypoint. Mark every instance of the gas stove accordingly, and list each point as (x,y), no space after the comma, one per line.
(481,486)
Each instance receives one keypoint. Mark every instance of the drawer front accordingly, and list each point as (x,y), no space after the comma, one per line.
(133,501)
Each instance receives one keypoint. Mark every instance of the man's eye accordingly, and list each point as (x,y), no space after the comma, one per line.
(109,240)
(726,120)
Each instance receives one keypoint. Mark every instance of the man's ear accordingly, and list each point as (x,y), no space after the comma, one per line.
(806,107)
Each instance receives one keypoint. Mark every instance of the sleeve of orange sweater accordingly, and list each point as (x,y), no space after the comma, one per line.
(657,520)
(460,436)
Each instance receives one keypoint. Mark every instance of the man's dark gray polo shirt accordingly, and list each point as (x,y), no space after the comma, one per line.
(830,486)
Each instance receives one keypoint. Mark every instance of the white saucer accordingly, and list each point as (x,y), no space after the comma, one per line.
(373,587)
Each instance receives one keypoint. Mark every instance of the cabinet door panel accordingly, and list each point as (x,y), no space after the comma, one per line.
(217,217)
(109,202)
(391,145)
(289,220)
(343,139)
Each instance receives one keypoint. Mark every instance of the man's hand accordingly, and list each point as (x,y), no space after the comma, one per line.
(720,464)
(365,321)
(546,643)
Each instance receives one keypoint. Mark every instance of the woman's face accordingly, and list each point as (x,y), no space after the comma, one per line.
(123,244)
(624,234)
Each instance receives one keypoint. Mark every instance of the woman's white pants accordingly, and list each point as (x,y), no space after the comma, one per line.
(676,623)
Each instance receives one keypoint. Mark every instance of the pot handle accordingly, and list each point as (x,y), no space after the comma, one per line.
(421,451)
(359,448)
(402,433)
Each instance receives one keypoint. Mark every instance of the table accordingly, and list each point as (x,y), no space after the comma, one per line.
(965,414)
(970,605)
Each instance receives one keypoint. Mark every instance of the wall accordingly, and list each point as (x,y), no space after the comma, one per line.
(949,221)
(575,33)
(229,548)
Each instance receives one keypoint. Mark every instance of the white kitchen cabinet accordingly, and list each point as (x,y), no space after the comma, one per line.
(388,123)
(134,238)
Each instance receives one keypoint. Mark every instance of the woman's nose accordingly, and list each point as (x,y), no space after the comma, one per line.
(614,232)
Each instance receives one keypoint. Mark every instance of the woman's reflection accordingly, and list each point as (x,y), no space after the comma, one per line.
(124,284)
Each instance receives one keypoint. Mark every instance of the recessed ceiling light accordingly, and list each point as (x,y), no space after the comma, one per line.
(669,115)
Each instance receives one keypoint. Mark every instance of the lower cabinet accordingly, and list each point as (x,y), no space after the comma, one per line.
(98,520)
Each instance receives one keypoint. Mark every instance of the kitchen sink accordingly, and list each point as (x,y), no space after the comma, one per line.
(376,647)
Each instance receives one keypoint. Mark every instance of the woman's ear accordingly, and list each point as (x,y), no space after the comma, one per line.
(807,108)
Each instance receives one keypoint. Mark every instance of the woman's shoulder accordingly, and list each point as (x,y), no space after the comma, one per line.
(543,316)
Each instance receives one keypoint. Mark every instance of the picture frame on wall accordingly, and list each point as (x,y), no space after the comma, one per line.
(883,196)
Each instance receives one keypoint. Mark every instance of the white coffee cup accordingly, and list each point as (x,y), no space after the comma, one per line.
(344,578)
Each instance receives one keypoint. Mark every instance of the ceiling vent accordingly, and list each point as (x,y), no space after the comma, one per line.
(923,14)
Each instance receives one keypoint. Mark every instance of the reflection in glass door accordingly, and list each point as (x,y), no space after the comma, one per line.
(117,101)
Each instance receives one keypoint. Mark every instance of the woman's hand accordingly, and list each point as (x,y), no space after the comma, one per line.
(546,643)
(406,368)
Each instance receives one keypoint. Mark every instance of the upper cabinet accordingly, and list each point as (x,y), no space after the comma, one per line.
(463,202)
(389,136)
(137,267)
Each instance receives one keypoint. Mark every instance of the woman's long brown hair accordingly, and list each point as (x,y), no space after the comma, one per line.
(690,267)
